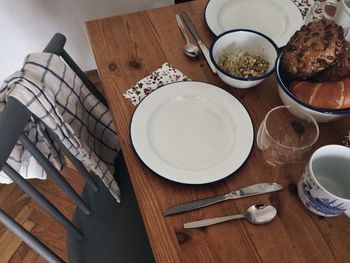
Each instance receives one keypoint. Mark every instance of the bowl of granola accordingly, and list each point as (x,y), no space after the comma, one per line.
(243,58)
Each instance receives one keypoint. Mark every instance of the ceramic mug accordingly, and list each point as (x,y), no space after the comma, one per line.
(333,10)
(324,187)
(341,15)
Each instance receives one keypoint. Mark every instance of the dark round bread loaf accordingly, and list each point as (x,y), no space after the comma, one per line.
(313,48)
(339,70)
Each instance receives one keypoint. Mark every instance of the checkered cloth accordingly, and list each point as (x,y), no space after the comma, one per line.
(57,97)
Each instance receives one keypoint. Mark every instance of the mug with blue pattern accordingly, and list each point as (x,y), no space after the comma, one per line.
(324,186)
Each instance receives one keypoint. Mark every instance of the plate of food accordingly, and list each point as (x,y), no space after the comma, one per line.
(277,19)
(192,132)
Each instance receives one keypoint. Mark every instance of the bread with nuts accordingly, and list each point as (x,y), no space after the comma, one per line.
(313,48)
(339,70)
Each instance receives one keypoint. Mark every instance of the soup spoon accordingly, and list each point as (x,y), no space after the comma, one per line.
(256,214)
(190,49)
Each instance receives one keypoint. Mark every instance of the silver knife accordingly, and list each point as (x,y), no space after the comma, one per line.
(255,189)
(202,46)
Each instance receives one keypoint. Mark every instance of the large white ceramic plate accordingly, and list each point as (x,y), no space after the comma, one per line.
(277,19)
(192,132)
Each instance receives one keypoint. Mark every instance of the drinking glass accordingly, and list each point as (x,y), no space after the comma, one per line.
(286,135)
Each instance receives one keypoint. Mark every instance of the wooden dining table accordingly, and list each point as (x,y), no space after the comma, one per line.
(131,46)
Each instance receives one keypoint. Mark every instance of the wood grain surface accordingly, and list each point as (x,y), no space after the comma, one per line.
(35,219)
(129,47)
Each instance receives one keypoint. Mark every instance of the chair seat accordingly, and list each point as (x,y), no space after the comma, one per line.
(112,232)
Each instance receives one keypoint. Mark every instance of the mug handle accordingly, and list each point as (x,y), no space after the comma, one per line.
(333,3)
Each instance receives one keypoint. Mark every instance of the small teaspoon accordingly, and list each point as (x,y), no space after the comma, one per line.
(256,214)
(190,49)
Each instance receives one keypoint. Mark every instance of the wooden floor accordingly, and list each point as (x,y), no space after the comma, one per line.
(30,215)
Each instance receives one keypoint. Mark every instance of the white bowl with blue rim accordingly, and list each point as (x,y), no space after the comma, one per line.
(287,97)
(245,40)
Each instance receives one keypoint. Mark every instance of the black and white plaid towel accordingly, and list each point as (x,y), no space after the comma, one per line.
(57,96)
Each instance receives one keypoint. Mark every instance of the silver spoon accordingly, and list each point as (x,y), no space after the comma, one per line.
(256,214)
(190,49)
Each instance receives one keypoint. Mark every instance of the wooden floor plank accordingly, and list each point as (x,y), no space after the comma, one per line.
(26,211)
(9,243)
(5,192)
(31,257)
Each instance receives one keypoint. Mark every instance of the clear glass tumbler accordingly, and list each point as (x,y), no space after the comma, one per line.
(286,135)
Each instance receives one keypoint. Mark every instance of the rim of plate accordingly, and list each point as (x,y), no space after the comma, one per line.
(207,6)
(194,182)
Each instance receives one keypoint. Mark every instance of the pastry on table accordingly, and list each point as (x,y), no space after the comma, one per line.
(312,49)
(340,69)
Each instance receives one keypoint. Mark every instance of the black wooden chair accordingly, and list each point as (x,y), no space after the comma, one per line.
(101,230)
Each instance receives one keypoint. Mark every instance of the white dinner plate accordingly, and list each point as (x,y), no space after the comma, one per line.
(192,132)
(277,19)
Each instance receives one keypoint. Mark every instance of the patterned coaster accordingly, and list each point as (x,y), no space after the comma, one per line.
(163,75)
(304,5)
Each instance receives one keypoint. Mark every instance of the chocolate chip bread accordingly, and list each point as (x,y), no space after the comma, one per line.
(313,48)
(340,69)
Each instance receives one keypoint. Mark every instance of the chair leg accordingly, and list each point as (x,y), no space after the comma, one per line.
(52,171)
(38,197)
(77,164)
(29,239)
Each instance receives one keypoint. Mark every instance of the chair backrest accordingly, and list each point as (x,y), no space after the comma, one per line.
(98,219)
(56,46)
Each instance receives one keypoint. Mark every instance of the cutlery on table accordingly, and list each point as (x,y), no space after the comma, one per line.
(255,189)
(256,214)
(190,49)
(202,46)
